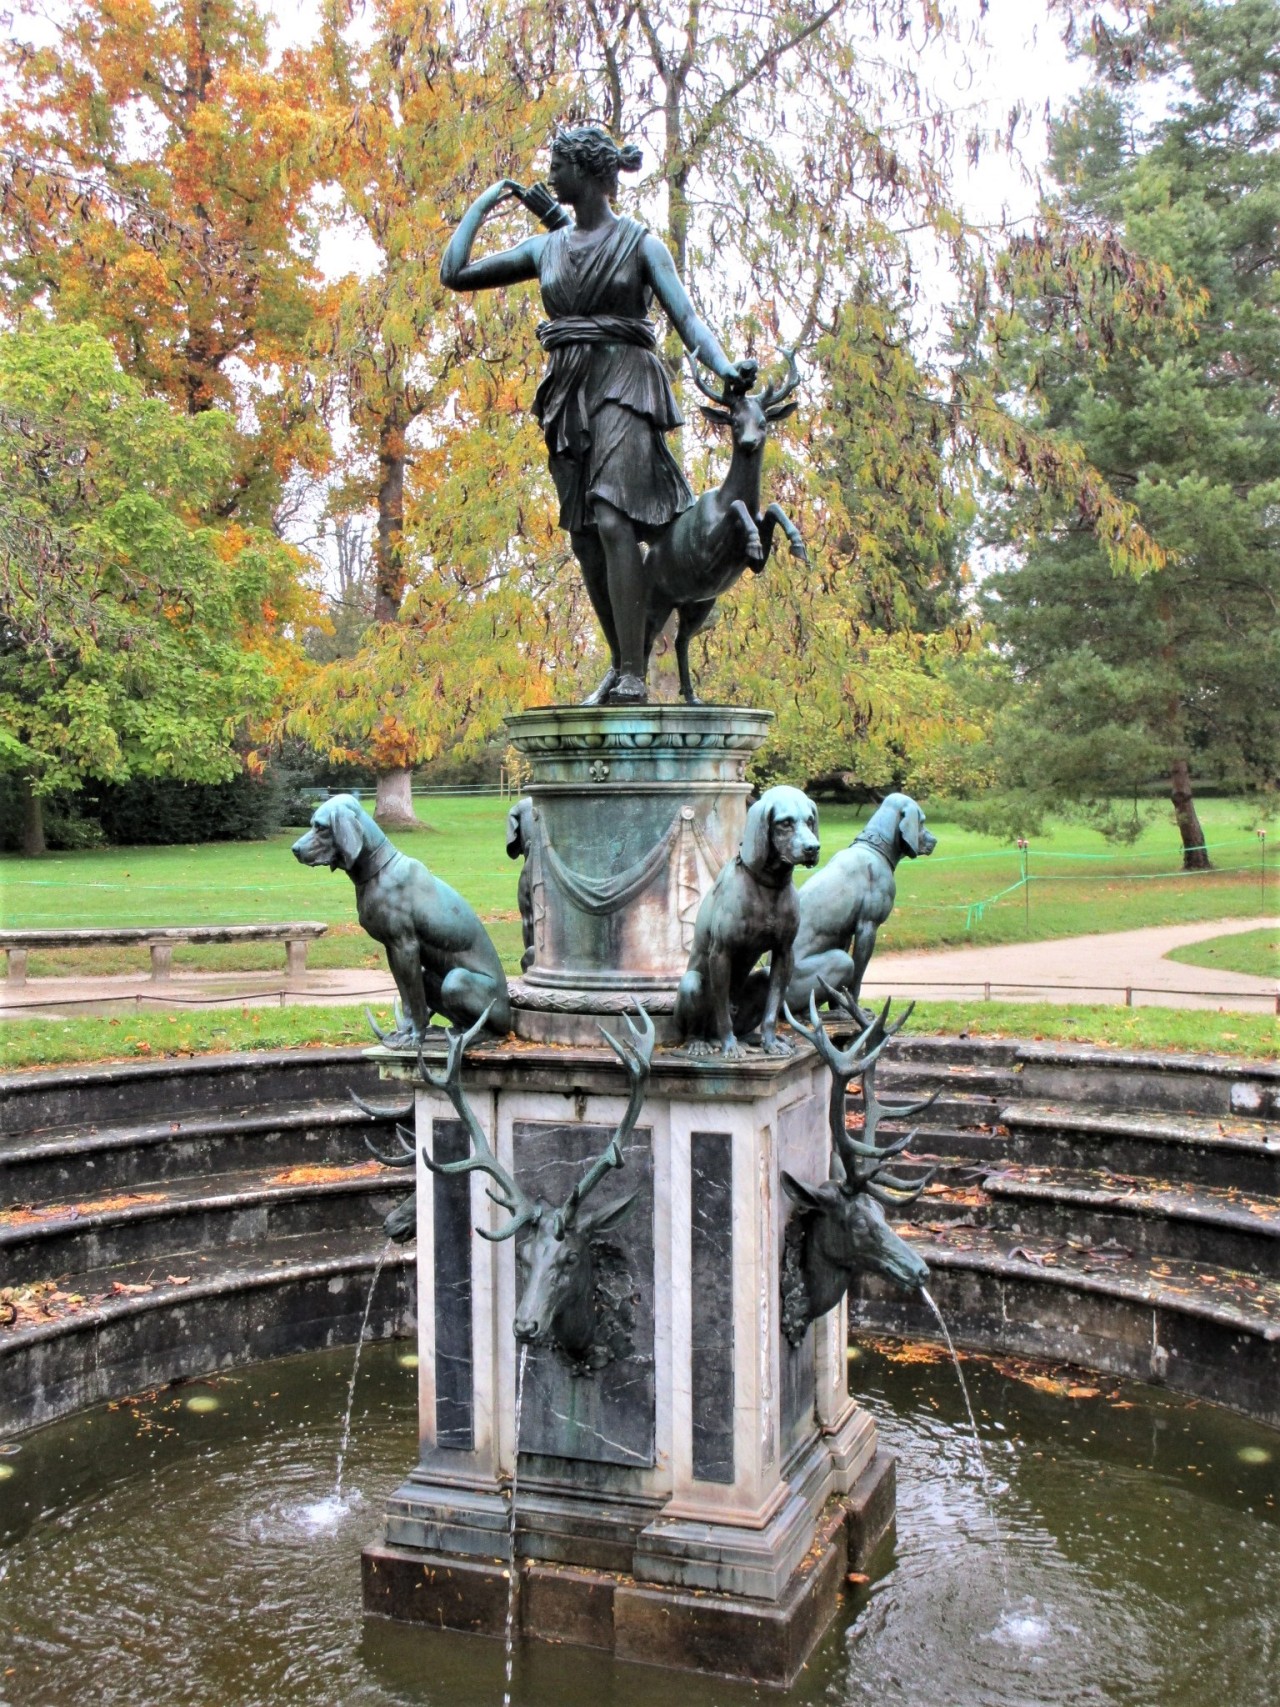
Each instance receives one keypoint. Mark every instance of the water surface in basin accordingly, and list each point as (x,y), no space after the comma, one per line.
(188,1549)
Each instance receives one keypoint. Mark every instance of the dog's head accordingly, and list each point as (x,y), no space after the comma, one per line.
(340,831)
(520,828)
(912,837)
(781,832)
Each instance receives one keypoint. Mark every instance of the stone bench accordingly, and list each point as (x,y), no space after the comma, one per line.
(161,940)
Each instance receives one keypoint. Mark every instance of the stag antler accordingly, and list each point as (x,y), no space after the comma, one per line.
(636,1055)
(771,401)
(860,1060)
(482,1159)
(406,1156)
(720,397)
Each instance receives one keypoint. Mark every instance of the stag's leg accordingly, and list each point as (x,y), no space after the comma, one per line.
(595,577)
(773,517)
(752,546)
(693,619)
(628,600)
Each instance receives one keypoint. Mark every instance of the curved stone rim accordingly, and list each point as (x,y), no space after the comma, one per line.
(638,731)
(545,999)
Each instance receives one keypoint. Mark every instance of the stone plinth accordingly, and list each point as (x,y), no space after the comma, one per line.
(688,1503)
(635,811)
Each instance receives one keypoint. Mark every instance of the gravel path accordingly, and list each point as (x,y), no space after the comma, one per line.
(1067,969)
(1093,968)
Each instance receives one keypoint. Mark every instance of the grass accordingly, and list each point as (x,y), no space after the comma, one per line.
(1078,885)
(43,1043)
(1254,952)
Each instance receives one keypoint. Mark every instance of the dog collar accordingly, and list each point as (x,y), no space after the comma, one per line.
(764,881)
(874,840)
(389,852)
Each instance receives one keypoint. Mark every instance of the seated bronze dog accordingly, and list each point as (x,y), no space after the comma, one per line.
(843,907)
(440,954)
(750,910)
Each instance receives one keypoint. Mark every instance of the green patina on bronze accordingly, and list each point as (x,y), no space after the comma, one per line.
(634,811)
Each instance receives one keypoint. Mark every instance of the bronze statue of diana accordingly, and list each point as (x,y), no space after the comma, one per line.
(605,402)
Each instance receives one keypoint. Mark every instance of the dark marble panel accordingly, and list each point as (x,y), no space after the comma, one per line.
(797,1392)
(453,1236)
(711,1303)
(606,1417)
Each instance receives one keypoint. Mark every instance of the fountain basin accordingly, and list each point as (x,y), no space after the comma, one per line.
(152,1552)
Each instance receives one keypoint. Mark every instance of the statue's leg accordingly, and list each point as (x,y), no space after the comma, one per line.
(595,577)
(830,966)
(864,942)
(465,995)
(628,600)
(693,619)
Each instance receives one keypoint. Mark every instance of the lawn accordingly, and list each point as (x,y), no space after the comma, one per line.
(1254,952)
(965,893)
(42,1043)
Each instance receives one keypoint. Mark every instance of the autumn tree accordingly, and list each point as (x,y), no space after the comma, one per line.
(136,639)
(1173,675)
(419,110)
(153,181)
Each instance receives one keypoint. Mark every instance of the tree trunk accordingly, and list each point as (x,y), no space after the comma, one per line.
(394,807)
(1194,856)
(33,842)
(388,551)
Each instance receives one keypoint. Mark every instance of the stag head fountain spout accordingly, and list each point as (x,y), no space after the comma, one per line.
(840,1229)
(562,1258)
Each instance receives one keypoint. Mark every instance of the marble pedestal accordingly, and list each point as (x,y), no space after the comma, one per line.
(635,810)
(695,1503)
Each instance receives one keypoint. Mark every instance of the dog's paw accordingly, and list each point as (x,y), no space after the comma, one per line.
(405,1038)
(732,1050)
(778,1046)
(699,1048)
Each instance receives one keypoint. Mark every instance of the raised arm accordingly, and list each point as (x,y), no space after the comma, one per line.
(511,266)
(697,335)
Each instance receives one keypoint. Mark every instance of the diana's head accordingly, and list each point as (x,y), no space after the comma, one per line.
(586,152)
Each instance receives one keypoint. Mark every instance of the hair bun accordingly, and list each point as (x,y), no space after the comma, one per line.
(630,158)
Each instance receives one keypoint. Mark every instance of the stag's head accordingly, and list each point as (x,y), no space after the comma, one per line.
(748,414)
(846,1229)
(557,1255)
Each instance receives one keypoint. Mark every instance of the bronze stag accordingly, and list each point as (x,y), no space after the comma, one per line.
(708,546)
(840,1228)
(566,1296)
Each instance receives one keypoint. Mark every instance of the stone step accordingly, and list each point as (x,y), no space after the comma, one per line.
(1110,1214)
(952,1109)
(125,1329)
(165,1224)
(135,1091)
(1122,1078)
(1226,1151)
(1207,1330)
(96,1161)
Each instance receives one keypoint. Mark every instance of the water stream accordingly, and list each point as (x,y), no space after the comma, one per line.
(513,1564)
(345,1439)
(983,1472)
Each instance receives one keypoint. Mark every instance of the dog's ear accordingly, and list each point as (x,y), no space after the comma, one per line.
(755,849)
(909,826)
(515,834)
(348,833)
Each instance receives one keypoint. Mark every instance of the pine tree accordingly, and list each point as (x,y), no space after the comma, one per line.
(1173,673)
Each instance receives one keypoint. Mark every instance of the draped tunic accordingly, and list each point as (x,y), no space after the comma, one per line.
(606,401)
